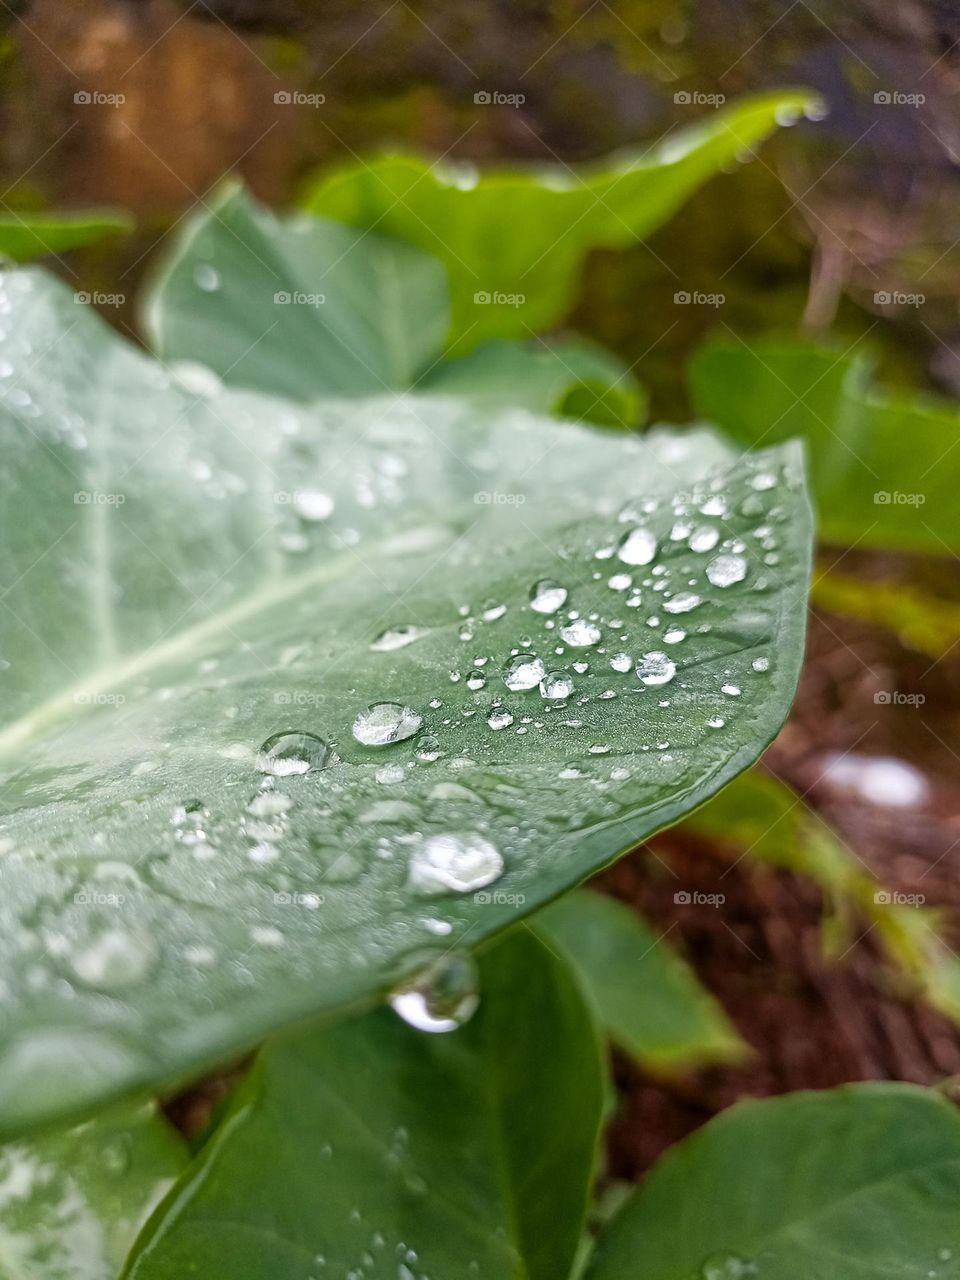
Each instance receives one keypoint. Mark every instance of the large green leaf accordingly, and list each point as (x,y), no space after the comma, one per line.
(305,307)
(71,1203)
(31,235)
(395,1154)
(175,598)
(881,461)
(299,307)
(859,1182)
(513,240)
(646,996)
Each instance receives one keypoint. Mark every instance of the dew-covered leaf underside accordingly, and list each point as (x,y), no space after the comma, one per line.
(189,571)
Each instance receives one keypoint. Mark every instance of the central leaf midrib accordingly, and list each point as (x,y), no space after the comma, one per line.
(163,652)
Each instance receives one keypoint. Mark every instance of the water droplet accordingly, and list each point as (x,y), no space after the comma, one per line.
(428,749)
(621,662)
(724,571)
(656,668)
(716,722)
(555,685)
(384,723)
(580,633)
(189,822)
(397,638)
(441,996)
(731,690)
(620,582)
(312,504)
(673,635)
(639,546)
(761,664)
(206,277)
(114,958)
(390,774)
(524,671)
(292,752)
(499,718)
(547,596)
(727,1268)
(454,862)
(683,602)
(704,538)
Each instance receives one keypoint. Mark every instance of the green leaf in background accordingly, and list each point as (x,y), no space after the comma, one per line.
(769,822)
(859,1182)
(570,378)
(305,307)
(648,999)
(299,307)
(392,1153)
(290,692)
(882,475)
(71,1203)
(514,239)
(32,235)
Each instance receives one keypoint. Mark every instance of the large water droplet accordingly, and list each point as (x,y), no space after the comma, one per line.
(312,504)
(682,602)
(397,638)
(441,996)
(524,671)
(639,546)
(454,862)
(114,958)
(656,668)
(581,633)
(206,277)
(724,571)
(704,538)
(384,723)
(292,752)
(499,718)
(547,596)
(555,685)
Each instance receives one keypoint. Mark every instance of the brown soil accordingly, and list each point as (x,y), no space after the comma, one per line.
(811,1023)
